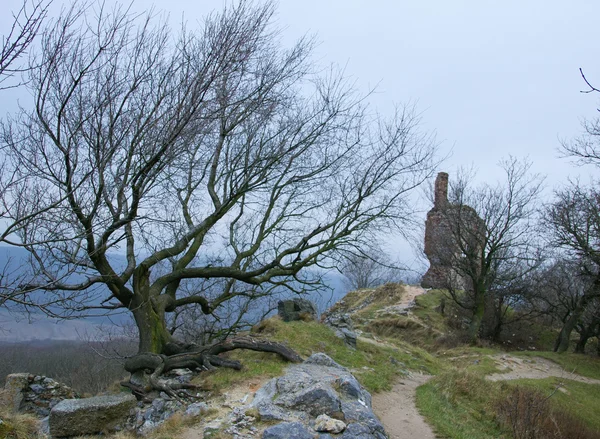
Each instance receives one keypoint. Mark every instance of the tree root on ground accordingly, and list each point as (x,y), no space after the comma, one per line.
(195,357)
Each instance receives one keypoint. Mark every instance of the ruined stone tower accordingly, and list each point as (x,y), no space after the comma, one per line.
(437,234)
(441,247)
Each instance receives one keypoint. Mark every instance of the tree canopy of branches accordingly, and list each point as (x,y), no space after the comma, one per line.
(368,269)
(574,221)
(491,243)
(15,42)
(152,159)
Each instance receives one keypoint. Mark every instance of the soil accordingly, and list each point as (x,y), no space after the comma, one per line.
(535,367)
(398,413)
(396,409)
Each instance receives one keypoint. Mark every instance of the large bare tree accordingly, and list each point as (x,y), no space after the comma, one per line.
(152,159)
(490,243)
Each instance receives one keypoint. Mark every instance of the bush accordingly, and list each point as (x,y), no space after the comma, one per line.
(527,412)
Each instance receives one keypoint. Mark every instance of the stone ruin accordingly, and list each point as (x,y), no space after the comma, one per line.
(441,246)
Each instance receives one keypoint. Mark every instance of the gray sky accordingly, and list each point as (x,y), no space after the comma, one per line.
(492,78)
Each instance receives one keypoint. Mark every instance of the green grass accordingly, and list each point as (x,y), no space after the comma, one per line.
(426,309)
(581,364)
(376,367)
(580,400)
(460,405)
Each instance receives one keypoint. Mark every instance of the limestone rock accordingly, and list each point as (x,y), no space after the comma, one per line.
(13,388)
(74,417)
(324,423)
(319,386)
(342,324)
(287,430)
(296,309)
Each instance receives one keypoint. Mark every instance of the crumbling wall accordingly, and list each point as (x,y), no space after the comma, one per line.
(441,246)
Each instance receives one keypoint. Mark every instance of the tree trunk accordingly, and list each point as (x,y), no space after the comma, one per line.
(478,312)
(583,339)
(564,337)
(153,332)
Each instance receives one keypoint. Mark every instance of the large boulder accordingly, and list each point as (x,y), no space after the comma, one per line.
(296,309)
(315,388)
(75,417)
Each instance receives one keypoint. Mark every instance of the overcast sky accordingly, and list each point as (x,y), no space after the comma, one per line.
(492,78)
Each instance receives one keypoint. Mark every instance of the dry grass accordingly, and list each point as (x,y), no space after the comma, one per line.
(529,415)
(18,426)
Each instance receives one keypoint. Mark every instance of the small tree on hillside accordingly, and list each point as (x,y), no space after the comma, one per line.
(574,219)
(214,154)
(368,269)
(490,229)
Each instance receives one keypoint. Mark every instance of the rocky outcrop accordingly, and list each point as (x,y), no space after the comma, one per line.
(35,394)
(75,417)
(317,387)
(342,325)
(296,309)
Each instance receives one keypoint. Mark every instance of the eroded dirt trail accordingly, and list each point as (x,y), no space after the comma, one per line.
(398,412)
(535,367)
(397,408)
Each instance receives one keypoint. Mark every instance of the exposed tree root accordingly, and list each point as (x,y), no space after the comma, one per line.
(195,357)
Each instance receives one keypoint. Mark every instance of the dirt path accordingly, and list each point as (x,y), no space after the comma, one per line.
(396,408)
(398,412)
(412,291)
(535,367)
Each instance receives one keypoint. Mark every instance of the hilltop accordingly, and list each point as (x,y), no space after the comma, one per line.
(423,379)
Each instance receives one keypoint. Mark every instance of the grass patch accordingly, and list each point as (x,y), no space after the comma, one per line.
(427,309)
(17,425)
(581,364)
(376,367)
(472,359)
(460,405)
(580,400)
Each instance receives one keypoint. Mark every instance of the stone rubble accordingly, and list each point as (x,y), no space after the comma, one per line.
(35,394)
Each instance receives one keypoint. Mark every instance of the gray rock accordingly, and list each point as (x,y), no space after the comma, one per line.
(296,309)
(319,386)
(287,430)
(324,423)
(13,388)
(74,417)
(45,426)
(37,388)
(196,409)
(321,359)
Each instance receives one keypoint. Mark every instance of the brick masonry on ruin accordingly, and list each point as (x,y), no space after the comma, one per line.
(440,247)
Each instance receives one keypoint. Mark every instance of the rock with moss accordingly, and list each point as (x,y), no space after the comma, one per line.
(75,417)
(296,309)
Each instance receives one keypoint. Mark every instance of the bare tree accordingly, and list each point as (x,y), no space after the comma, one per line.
(15,43)
(490,244)
(368,269)
(585,149)
(219,156)
(574,221)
